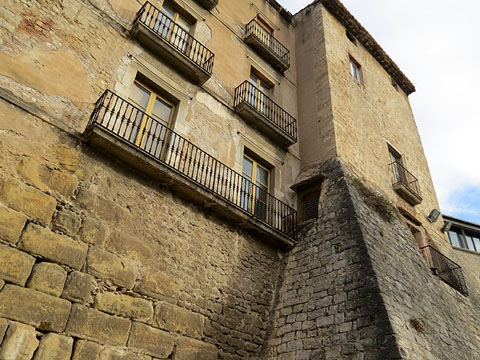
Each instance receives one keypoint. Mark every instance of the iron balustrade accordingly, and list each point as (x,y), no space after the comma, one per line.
(402,176)
(275,46)
(251,95)
(446,269)
(156,140)
(176,36)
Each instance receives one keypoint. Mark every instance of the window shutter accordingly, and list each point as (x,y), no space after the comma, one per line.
(310,206)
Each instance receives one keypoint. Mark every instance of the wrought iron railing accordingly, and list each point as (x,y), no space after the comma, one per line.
(166,28)
(251,95)
(446,269)
(402,176)
(156,140)
(275,46)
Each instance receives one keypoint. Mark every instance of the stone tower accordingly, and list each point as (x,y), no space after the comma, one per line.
(214,179)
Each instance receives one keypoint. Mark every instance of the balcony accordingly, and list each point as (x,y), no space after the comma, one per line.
(267,46)
(159,33)
(405,184)
(263,113)
(208,4)
(123,130)
(447,270)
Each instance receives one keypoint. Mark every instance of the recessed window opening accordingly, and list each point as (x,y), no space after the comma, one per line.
(309,205)
(464,239)
(350,37)
(356,70)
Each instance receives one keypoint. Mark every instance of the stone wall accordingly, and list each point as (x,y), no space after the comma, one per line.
(98,262)
(358,287)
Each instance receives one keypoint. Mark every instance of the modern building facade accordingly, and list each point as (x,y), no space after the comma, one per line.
(213,179)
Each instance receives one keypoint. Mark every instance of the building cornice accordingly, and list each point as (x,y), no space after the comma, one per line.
(353,26)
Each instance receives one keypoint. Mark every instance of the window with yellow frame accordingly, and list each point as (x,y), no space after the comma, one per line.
(170,29)
(255,198)
(258,94)
(150,126)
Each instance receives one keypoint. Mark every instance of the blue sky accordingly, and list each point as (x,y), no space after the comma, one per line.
(435,43)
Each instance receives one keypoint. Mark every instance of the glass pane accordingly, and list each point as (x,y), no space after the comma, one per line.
(454,238)
(248,167)
(167,10)
(139,95)
(470,243)
(162,110)
(253,79)
(476,241)
(184,24)
(262,176)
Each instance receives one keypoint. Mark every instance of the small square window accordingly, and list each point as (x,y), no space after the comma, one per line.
(356,70)
(310,203)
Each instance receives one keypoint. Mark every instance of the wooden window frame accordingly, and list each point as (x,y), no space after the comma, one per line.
(253,179)
(354,64)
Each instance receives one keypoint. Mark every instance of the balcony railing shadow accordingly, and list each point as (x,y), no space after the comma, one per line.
(153,138)
(446,269)
(405,183)
(267,46)
(262,112)
(160,33)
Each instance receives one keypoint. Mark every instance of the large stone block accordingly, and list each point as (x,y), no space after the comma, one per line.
(53,346)
(11,224)
(105,209)
(121,354)
(126,306)
(86,350)
(190,349)
(108,266)
(32,307)
(176,319)
(154,342)
(79,287)
(3,328)
(34,172)
(28,200)
(94,325)
(157,284)
(48,278)
(54,247)
(15,266)
(19,343)
(64,155)
(67,222)
(93,232)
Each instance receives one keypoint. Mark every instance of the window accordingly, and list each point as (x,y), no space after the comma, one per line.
(464,239)
(356,70)
(150,127)
(176,28)
(255,187)
(394,83)
(396,163)
(264,25)
(351,37)
(310,201)
(258,94)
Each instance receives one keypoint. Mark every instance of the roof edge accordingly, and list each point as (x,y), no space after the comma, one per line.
(352,25)
(287,15)
(460,222)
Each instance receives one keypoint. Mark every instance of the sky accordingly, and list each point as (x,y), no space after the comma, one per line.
(436,43)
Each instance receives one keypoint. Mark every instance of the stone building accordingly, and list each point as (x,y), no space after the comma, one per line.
(203,179)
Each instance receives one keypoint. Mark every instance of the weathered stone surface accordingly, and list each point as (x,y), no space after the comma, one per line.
(79,287)
(3,328)
(154,342)
(43,311)
(19,343)
(176,319)
(48,278)
(121,354)
(93,232)
(105,209)
(65,156)
(54,247)
(190,349)
(28,200)
(157,284)
(15,266)
(11,224)
(126,306)
(94,325)
(67,222)
(34,172)
(53,346)
(1,284)
(86,350)
(108,266)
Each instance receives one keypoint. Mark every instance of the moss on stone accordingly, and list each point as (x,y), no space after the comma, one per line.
(374,200)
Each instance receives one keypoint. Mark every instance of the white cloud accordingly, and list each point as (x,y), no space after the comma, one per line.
(435,43)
